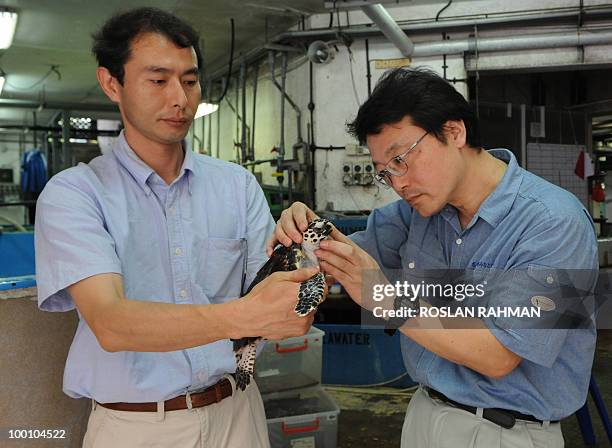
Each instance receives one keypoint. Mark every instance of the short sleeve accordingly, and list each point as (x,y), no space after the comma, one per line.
(260,226)
(387,229)
(71,241)
(554,268)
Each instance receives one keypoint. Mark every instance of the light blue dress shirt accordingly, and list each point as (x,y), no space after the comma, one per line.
(526,226)
(190,242)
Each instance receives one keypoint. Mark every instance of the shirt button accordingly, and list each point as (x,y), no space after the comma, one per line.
(459,241)
(183,293)
(550,279)
(411,265)
(178,251)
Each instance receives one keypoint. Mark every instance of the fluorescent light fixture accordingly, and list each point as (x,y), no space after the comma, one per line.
(2,79)
(205,109)
(8,22)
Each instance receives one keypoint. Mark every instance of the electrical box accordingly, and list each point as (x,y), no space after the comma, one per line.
(347,173)
(354,149)
(358,172)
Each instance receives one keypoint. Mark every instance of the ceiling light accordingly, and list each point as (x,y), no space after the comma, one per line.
(2,79)
(8,22)
(205,109)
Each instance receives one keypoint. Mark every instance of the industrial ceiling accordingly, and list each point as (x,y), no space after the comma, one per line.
(50,58)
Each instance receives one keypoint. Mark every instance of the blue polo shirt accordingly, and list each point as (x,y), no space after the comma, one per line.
(190,242)
(530,228)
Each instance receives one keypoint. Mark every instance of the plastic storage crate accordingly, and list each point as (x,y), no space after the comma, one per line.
(302,418)
(290,364)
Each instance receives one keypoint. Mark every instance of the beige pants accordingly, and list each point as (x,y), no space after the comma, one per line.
(238,421)
(431,423)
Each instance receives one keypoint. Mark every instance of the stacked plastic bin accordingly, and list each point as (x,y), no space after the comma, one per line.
(299,411)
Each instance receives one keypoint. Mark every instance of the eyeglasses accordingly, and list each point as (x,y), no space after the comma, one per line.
(397,166)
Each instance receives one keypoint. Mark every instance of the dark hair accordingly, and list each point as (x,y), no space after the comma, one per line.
(112,43)
(419,93)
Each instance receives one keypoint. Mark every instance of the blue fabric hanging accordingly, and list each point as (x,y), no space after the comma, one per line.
(33,171)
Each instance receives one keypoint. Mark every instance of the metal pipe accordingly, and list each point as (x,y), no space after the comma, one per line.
(66,156)
(282,106)
(368,69)
(26,104)
(259,162)
(529,42)
(34,134)
(312,162)
(560,16)
(15,128)
(381,17)
(243,131)
(255,78)
(298,111)
(425,26)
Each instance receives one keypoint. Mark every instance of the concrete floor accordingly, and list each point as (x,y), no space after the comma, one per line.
(374,417)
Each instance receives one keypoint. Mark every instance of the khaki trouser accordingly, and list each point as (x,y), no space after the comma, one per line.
(431,423)
(238,421)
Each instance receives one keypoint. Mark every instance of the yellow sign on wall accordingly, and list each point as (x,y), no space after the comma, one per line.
(382,64)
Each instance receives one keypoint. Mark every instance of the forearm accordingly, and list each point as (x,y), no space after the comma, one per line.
(134,325)
(469,343)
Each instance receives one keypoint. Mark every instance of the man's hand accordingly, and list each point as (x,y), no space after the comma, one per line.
(268,310)
(347,263)
(293,221)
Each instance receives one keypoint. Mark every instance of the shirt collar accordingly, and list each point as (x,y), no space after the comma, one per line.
(497,205)
(141,172)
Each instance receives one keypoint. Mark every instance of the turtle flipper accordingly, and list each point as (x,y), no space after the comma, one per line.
(246,365)
(311,294)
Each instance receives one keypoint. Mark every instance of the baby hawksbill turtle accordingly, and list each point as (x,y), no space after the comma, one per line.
(311,292)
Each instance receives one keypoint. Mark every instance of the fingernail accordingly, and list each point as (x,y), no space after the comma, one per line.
(323,245)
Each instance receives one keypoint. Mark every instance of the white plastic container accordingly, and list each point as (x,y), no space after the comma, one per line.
(305,418)
(294,363)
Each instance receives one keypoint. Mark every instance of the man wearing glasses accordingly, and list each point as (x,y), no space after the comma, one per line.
(488,381)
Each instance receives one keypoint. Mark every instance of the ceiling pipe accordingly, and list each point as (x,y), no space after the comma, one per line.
(539,41)
(447,25)
(362,31)
(385,23)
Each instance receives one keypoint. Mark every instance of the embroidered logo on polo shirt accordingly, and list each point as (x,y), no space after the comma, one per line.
(481,264)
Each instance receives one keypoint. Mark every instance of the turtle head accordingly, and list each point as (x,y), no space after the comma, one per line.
(317,231)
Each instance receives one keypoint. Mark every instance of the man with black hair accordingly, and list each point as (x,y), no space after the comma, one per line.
(151,243)
(484,381)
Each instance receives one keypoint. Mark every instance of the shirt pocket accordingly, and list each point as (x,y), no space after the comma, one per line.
(561,296)
(223,269)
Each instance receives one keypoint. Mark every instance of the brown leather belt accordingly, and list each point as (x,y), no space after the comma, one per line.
(211,395)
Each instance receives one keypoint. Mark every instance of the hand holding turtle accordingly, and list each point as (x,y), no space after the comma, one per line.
(292,222)
(347,263)
(268,310)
